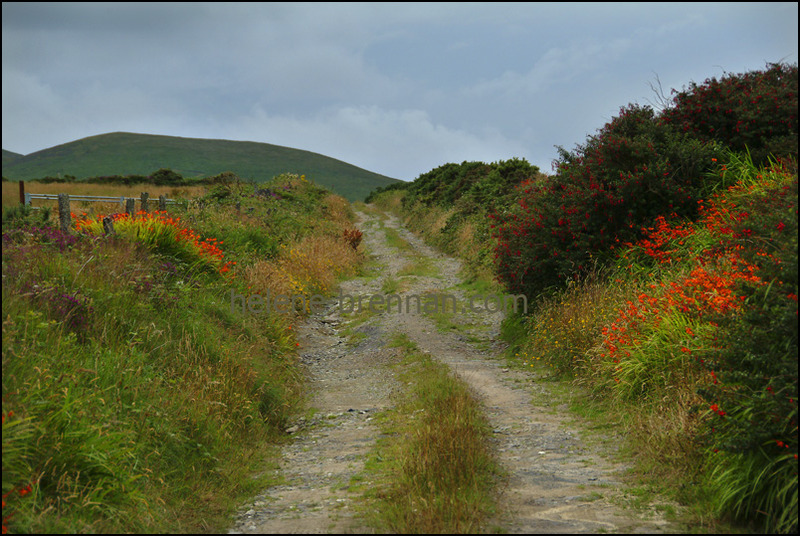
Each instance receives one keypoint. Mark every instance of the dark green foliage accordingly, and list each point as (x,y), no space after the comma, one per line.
(465,194)
(16,215)
(761,342)
(56,180)
(165,177)
(754,430)
(162,177)
(635,169)
(755,111)
(443,185)
(475,184)
(388,188)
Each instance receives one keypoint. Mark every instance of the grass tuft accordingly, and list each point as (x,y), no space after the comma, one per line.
(436,470)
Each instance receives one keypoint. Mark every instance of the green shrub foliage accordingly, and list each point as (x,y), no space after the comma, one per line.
(753,429)
(759,352)
(388,188)
(473,184)
(755,111)
(635,169)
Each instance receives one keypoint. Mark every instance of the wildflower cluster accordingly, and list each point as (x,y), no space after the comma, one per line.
(165,234)
(70,307)
(757,355)
(40,234)
(723,318)
(7,497)
(658,332)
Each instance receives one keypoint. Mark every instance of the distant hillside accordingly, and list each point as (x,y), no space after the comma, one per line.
(122,153)
(9,157)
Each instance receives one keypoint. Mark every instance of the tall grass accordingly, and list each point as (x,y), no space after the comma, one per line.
(435,467)
(135,398)
(308,268)
(312,264)
(453,230)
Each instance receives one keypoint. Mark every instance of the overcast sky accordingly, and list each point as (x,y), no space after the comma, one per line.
(397,89)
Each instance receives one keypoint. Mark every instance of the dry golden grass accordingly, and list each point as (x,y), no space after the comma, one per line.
(465,240)
(391,201)
(669,430)
(565,331)
(438,220)
(337,209)
(307,268)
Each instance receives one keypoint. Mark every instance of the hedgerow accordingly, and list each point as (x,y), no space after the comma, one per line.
(635,169)
(755,111)
(474,185)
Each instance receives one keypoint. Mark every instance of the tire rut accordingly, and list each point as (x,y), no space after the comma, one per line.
(557,483)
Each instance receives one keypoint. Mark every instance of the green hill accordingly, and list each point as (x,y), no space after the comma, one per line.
(9,157)
(123,153)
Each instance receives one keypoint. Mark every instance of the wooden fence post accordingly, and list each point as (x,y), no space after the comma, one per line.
(64,214)
(108,225)
(130,206)
(21,192)
(162,203)
(144,197)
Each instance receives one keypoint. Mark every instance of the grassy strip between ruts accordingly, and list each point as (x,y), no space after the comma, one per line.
(433,469)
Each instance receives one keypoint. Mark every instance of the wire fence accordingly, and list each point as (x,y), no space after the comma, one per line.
(122,200)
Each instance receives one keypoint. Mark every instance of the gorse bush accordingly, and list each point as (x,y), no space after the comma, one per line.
(755,111)
(634,170)
(449,204)
(475,185)
(382,189)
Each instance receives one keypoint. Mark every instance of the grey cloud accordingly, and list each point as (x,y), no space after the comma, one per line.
(396,88)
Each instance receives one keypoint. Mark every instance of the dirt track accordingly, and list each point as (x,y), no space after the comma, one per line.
(558,482)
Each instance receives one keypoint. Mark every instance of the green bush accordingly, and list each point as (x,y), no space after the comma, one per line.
(388,188)
(478,186)
(634,170)
(755,429)
(755,111)
(166,177)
